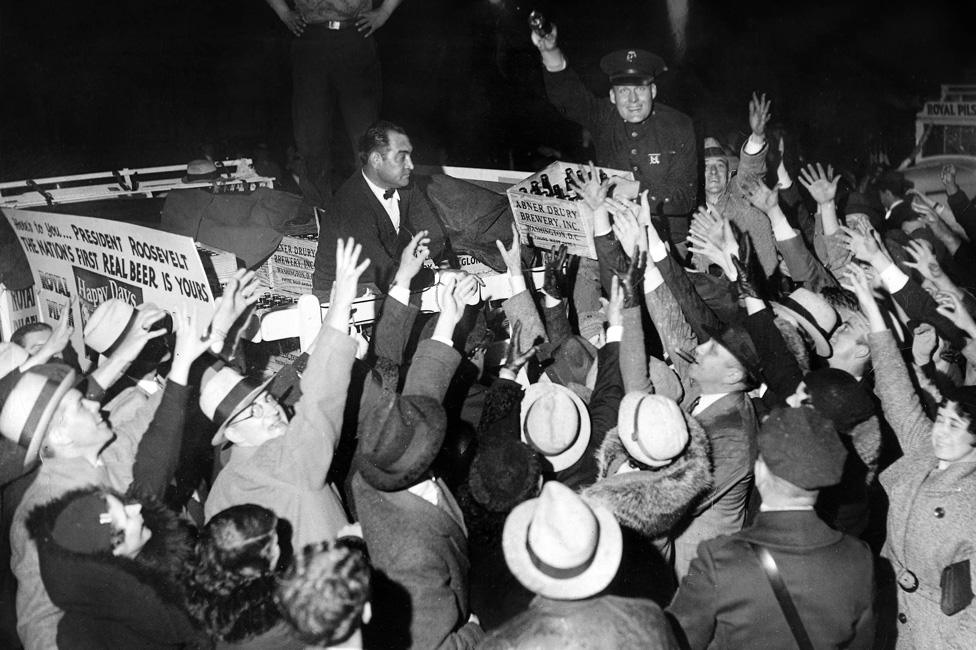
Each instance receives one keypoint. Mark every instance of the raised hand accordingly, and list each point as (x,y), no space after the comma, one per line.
(948,176)
(515,356)
(925,342)
(631,278)
(922,259)
(241,291)
(412,259)
(759,114)
(140,333)
(822,185)
(554,282)
(194,336)
(626,228)
(593,191)
(345,286)
(513,255)
(759,195)
(952,308)
(545,43)
(863,245)
(60,335)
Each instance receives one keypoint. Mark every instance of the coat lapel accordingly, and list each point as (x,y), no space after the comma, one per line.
(384,227)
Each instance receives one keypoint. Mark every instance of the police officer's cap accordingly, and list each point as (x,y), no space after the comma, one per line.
(632,67)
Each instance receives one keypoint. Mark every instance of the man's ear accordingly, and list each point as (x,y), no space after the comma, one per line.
(734,375)
(653,91)
(613,97)
(375,159)
(57,435)
(231,433)
(861,350)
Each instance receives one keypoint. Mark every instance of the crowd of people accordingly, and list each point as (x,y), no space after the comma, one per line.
(752,427)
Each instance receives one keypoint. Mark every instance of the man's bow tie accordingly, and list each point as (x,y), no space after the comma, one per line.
(389,193)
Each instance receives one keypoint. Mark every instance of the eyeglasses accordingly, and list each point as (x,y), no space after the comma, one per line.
(263,403)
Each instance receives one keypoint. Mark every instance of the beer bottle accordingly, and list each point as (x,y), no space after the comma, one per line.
(558,192)
(580,176)
(546,185)
(535,188)
(603,176)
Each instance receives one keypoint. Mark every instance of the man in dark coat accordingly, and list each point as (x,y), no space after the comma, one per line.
(380,209)
(412,526)
(631,132)
(726,600)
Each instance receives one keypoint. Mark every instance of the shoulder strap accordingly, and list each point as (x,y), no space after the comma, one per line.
(769,567)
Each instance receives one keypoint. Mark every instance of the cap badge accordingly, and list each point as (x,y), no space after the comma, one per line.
(631,55)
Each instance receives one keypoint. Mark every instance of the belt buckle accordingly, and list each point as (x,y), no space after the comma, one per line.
(907,580)
(334,25)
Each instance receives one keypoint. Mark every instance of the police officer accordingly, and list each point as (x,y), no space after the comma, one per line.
(632,132)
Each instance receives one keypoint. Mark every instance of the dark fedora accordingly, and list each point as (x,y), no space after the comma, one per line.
(399,439)
(738,342)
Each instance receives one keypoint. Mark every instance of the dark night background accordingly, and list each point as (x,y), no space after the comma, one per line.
(100,85)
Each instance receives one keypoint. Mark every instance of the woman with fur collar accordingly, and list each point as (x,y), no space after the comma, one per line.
(115,566)
(653,465)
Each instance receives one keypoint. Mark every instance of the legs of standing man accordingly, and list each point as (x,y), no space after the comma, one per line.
(327,66)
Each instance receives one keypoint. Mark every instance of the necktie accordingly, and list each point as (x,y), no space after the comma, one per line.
(389,193)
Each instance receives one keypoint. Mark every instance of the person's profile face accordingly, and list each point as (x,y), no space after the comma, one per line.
(394,165)
(634,103)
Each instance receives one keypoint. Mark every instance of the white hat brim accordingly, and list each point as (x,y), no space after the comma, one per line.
(596,578)
(575,451)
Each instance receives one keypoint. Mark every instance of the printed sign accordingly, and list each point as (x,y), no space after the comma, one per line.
(94,260)
(291,266)
(547,221)
(950,109)
(17,308)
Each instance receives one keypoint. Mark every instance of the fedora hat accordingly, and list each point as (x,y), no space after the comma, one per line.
(740,345)
(811,312)
(561,547)
(224,393)
(555,422)
(11,357)
(398,441)
(29,401)
(651,428)
(200,170)
(112,320)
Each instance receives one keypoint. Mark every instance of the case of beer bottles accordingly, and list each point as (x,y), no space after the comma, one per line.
(546,207)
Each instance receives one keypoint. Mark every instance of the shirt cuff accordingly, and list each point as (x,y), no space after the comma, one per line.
(615,333)
(751,147)
(783,231)
(400,294)
(657,251)
(652,278)
(893,278)
(449,343)
(558,68)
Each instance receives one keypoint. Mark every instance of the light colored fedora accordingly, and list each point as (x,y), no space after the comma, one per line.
(652,428)
(29,401)
(224,393)
(561,547)
(811,312)
(555,422)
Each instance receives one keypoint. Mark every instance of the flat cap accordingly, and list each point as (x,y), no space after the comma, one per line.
(632,67)
(801,446)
